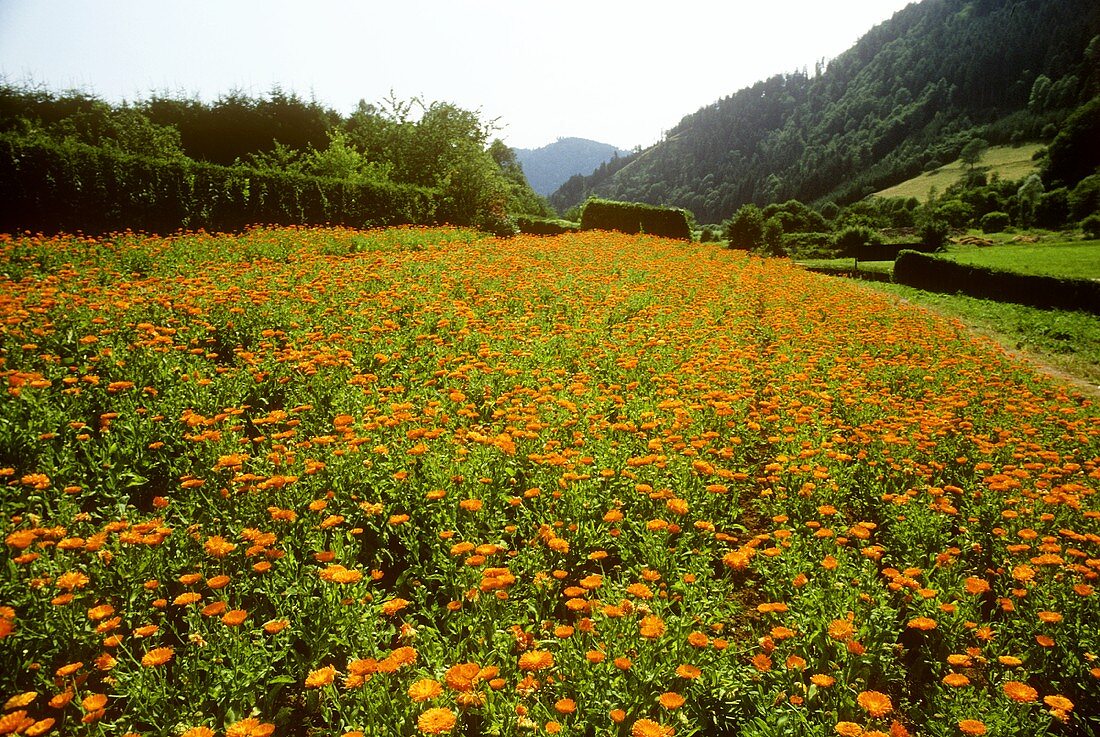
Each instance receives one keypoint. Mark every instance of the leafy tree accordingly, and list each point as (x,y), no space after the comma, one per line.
(771,237)
(972,152)
(1074,153)
(745,229)
(1027,198)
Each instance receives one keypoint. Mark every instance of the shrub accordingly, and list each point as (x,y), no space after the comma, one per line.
(854,237)
(933,231)
(772,237)
(1091,226)
(994,222)
(635,217)
(745,230)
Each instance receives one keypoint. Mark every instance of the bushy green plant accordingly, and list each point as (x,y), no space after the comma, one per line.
(852,238)
(994,222)
(1091,226)
(745,230)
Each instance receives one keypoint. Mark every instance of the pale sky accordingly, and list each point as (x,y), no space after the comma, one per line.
(616,72)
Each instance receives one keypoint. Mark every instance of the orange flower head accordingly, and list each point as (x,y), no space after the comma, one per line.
(437,720)
(875,703)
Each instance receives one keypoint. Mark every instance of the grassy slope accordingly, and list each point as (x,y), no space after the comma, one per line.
(1008,161)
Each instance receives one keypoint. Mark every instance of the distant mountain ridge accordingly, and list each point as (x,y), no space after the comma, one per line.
(905,98)
(550,166)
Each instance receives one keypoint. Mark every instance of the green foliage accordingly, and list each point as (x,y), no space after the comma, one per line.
(932,229)
(72,186)
(1053,209)
(745,230)
(772,237)
(972,152)
(1091,226)
(994,222)
(853,238)
(1073,154)
(634,217)
(437,148)
(954,212)
(1084,199)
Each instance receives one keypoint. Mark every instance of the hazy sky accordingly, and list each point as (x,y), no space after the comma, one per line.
(617,72)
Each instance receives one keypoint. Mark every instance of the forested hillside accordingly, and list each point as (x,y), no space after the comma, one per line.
(907,97)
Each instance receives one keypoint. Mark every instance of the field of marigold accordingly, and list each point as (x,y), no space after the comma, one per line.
(404,482)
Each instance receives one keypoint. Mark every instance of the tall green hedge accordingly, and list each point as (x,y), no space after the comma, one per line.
(943,275)
(634,217)
(49,187)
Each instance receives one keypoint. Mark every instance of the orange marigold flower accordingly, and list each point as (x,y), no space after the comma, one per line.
(688,671)
(822,680)
(184,599)
(72,580)
(651,627)
(157,656)
(922,623)
(463,676)
(976,586)
(1050,617)
(218,547)
(762,662)
(971,726)
(218,582)
(1020,692)
(650,728)
(1058,702)
(320,677)
(875,703)
(94,702)
(425,689)
(198,732)
(848,729)
(20,700)
(698,639)
(671,700)
(393,606)
(956,680)
(841,630)
(42,726)
(565,706)
(275,626)
(234,617)
(250,727)
(536,660)
(436,721)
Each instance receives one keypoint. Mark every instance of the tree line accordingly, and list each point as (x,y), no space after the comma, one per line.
(409,150)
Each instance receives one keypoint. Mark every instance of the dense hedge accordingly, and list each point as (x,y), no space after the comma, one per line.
(634,217)
(47,187)
(943,275)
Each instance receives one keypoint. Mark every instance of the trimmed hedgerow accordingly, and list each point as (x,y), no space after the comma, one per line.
(50,187)
(943,275)
(635,217)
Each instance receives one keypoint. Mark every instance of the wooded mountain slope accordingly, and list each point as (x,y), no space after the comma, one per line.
(906,97)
